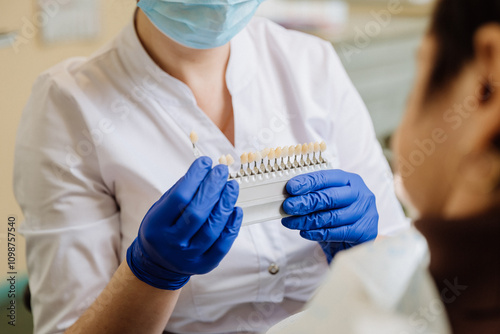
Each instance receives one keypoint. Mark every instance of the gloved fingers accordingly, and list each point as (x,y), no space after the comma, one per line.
(198,211)
(170,206)
(324,219)
(213,227)
(339,234)
(326,199)
(306,183)
(226,239)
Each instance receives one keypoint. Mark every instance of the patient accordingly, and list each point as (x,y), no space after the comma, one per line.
(443,276)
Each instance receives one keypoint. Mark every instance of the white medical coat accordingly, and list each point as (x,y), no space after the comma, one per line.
(378,288)
(102,138)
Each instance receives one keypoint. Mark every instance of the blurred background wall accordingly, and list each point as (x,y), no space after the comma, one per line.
(375,39)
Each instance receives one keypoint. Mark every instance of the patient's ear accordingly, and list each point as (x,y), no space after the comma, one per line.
(487,58)
(481,161)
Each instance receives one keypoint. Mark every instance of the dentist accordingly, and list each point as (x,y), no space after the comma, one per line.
(103,138)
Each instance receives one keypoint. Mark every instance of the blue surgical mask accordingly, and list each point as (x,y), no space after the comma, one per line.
(200,24)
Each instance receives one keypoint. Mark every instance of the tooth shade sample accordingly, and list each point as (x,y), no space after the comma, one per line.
(229,159)
(272,154)
(244,158)
(298,149)
(305,147)
(278,152)
(193,137)
(258,157)
(322,146)
(284,151)
(251,157)
(222,160)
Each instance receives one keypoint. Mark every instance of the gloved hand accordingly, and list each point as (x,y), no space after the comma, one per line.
(189,230)
(332,207)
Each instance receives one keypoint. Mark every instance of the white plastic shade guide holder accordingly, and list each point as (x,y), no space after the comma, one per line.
(7,39)
(69,20)
(262,196)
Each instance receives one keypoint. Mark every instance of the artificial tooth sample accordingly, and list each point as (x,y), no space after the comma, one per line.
(291,153)
(322,149)
(258,161)
(229,160)
(279,158)
(271,156)
(244,162)
(316,152)
(193,136)
(298,151)
(284,157)
(310,152)
(265,152)
(251,160)
(305,149)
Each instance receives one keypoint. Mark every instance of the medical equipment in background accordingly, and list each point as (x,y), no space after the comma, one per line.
(7,38)
(306,14)
(263,176)
(64,21)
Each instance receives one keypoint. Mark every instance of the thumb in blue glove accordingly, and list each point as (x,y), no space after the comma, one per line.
(332,207)
(189,230)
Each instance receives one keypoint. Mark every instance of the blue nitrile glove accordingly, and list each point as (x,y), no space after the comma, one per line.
(189,230)
(332,207)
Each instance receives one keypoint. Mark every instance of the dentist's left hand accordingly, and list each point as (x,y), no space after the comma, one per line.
(189,230)
(332,207)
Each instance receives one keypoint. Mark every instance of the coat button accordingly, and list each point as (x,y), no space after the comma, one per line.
(273,269)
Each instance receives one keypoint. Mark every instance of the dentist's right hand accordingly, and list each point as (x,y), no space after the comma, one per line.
(189,230)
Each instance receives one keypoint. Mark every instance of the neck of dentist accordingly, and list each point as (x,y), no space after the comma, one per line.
(203,71)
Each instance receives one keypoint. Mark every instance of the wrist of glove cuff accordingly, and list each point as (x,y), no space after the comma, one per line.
(153,274)
(331,249)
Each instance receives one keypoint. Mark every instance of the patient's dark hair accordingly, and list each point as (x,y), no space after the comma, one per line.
(454,25)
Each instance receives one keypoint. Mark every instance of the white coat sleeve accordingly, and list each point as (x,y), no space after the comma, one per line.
(358,150)
(71,222)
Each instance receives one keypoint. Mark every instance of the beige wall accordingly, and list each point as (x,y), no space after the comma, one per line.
(18,71)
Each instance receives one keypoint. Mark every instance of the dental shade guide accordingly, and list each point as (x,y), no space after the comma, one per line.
(262,190)
(263,176)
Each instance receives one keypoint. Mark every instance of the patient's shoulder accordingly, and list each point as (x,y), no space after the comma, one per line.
(384,269)
(373,288)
